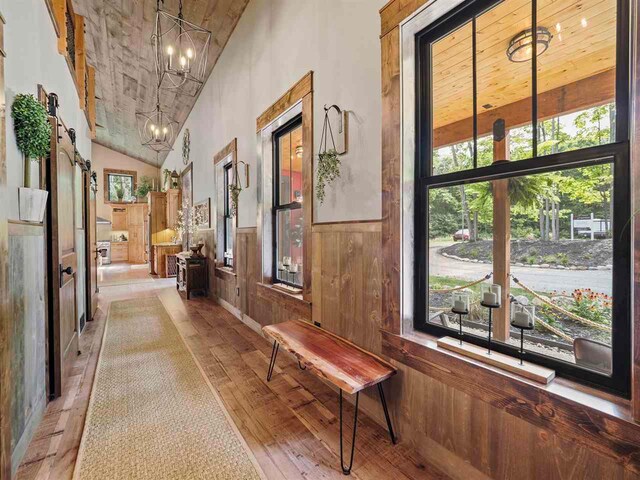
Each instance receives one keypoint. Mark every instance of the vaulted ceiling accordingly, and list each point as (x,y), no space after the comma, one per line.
(119,47)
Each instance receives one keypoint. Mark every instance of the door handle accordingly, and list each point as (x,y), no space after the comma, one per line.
(68,271)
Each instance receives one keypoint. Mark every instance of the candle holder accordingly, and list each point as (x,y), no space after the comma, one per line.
(460,306)
(523,317)
(490,295)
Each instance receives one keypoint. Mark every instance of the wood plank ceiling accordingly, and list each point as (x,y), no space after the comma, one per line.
(119,46)
(583,45)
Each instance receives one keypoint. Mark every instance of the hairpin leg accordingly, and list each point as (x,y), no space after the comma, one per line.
(272,362)
(302,367)
(386,413)
(346,470)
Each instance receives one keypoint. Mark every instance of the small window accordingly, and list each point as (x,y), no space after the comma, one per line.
(287,210)
(228,216)
(120,186)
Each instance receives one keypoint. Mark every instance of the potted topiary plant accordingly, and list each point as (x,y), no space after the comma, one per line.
(33,137)
(144,187)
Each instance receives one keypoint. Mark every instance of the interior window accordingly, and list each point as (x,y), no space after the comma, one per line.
(287,210)
(228,216)
(523,181)
(120,187)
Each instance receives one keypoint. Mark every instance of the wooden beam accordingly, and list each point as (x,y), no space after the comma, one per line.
(396,11)
(81,61)
(60,16)
(501,233)
(589,92)
(391,181)
(91,98)
(231,147)
(292,96)
(6,326)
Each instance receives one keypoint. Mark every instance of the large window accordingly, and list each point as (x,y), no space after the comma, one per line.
(287,205)
(522,179)
(228,215)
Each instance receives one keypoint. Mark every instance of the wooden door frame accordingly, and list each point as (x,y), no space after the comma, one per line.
(54,366)
(89,249)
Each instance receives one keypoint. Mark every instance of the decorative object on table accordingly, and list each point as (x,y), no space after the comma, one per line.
(491,300)
(186,146)
(328,168)
(166,175)
(181,52)
(195,249)
(187,227)
(460,305)
(522,317)
(203,214)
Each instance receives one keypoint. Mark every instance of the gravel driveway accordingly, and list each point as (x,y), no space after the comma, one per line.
(540,279)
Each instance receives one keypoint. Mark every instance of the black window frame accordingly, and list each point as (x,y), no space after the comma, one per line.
(288,127)
(227,262)
(617,153)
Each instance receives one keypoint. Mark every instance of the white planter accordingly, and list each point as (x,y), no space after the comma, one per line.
(33,204)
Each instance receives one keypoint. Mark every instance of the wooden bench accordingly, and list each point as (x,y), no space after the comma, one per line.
(335,360)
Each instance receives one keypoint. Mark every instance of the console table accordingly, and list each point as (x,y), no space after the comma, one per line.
(192,275)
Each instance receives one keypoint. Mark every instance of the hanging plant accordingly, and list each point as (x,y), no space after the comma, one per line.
(234,190)
(328,171)
(144,187)
(31,126)
(328,159)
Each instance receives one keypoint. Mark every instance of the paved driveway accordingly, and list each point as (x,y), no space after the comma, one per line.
(544,280)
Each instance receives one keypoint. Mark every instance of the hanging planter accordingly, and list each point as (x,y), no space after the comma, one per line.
(328,169)
(31,126)
(236,187)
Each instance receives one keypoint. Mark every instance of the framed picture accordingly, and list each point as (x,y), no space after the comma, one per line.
(203,214)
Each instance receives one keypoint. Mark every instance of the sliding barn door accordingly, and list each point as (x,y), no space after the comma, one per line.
(63,331)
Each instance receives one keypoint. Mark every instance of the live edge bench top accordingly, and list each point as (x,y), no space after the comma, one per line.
(335,359)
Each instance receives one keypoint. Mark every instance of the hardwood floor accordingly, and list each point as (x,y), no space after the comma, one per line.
(290,423)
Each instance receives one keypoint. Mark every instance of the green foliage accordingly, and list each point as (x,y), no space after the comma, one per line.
(234,190)
(118,187)
(144,187)
(591,305)
(328,171)
(31,126)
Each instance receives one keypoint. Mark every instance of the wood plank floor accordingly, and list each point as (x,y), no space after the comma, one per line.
(290,423)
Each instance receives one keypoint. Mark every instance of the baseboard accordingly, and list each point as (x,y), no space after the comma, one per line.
(246,319)
(27,435)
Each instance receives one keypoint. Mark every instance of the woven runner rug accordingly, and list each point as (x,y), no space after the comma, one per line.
(152,413)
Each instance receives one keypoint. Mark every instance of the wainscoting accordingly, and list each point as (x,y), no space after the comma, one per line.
(462,434)
(27,307)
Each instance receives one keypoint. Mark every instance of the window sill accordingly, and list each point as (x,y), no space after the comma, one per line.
(225,273)
(595,419)
(289,301)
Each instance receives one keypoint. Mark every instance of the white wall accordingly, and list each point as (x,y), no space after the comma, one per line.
(274,44)
(32,58)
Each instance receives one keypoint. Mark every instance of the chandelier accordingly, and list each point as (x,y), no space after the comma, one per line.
(156,128)
(181,51)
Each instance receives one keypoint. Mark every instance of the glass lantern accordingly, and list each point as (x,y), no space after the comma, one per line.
(460,302)
(523,316)
(490,294)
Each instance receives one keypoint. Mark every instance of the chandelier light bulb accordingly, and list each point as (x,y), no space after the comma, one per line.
(169,50)
(183,62)
(152,127)
(189,53)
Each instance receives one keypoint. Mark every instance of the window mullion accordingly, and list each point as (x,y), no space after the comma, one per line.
(475,91)
(534,78)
